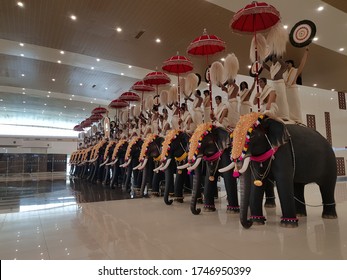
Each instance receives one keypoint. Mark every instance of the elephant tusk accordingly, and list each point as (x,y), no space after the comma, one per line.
(166,165)
(113,162)
(106,161)
(137,166)
(227,168)
(126,164)
(156,170)
(245,165)
(184,166)
(143,164)
(195,165)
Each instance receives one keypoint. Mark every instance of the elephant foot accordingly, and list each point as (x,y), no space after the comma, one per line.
(258,220)
(209,208)
(179,199)
(289,222)
(329,216)
(233,209)
(155,194)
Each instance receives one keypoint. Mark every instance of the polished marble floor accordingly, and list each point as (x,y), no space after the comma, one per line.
(72,219)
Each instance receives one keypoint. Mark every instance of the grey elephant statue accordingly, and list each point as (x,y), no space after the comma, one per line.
(292,155)
(117,159)
(211,145)
(149,159)
(173,154)
(106,159)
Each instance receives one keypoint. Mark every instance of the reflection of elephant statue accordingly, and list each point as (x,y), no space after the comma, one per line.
(291,155)
(173,154)
(130,161)
(211,144)
(149,159)
(117,159)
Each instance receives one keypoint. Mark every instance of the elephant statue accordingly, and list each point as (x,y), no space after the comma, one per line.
(212,145)
(117,159)
(291,155)
(174,153)
(149,159)
(131,160)
(96,160)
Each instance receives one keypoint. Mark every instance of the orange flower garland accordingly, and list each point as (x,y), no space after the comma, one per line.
(195,141)
(149,139)
(131,144)
(116,149)
(170,136)
(110,144)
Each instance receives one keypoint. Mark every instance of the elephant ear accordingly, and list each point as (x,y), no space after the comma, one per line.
(276,131)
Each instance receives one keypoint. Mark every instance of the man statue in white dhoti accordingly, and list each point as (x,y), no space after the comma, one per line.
(221,114)
(233,111)
(197,112)
(267,98)
(290,76)
(245,94)
(277,68)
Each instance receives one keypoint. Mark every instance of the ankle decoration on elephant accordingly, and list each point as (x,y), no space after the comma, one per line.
(233,209)
(209,208)
(258,219)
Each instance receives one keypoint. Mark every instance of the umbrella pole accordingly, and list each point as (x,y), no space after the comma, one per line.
(209,85)
(179,100)
(256,65)
(141,113)
(129,119)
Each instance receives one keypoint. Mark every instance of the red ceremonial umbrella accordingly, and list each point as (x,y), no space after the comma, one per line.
(117,104)
(99,110)
(95,117)
(253,18)
(129,96)
(78,128)
(206,45)
(86,123)
(156,78)
(178,64)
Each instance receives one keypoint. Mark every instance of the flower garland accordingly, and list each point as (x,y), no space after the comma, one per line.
(149,139)
(242,133)
(108,149)
(116,149)
(195,141)
(131,144)
(166,146)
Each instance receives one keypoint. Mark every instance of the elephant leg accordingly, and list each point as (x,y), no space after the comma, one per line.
(327,190)
(144,180)
(128,178)
(210,188)
(245,194)
(157,177)
(230,184)
(169,182)
(114,178)
(299,190)
(256,204)
(179,183)
(269,195)
(106,175)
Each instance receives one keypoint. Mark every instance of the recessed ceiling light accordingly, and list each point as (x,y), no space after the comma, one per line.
(321,8)
(47,96)
(23,92)
(331,98)
(92,68)
(62,52)
(94,98)
(21,44)
(53,80)
(98,59)
(315,39)
(24,101)
(249,66)
(20,4)
(65,107)
(23,88)
(285,26)
(158,40)
(122,74)
(81,84)
(59,61)
(118,29)
(70,98)
(314,85)
(222,59)
(45,104)
(341,49)
(73,17)
(106,88)
(22,54)
(49,92)
(23,75)
(332,89)
(1,100)
(91,102)
(129,66)
(84,109)
(72,95)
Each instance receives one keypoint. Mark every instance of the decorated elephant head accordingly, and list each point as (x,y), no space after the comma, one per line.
(119,151)
(133,150)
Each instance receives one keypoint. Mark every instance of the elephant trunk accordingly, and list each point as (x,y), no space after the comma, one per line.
(245,192)
(168,161)
(169,182)
(195,165)
(143,165)
(196,189)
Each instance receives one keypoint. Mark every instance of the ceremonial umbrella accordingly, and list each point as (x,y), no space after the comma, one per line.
(118,104)
(206,45)
(78,128)
(129,96)
(86,123)
(143,87)
(253,18)
(178,64)
(156,78)
(95,117)
(99,110)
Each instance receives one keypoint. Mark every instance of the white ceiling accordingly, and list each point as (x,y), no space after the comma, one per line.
(46,29)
